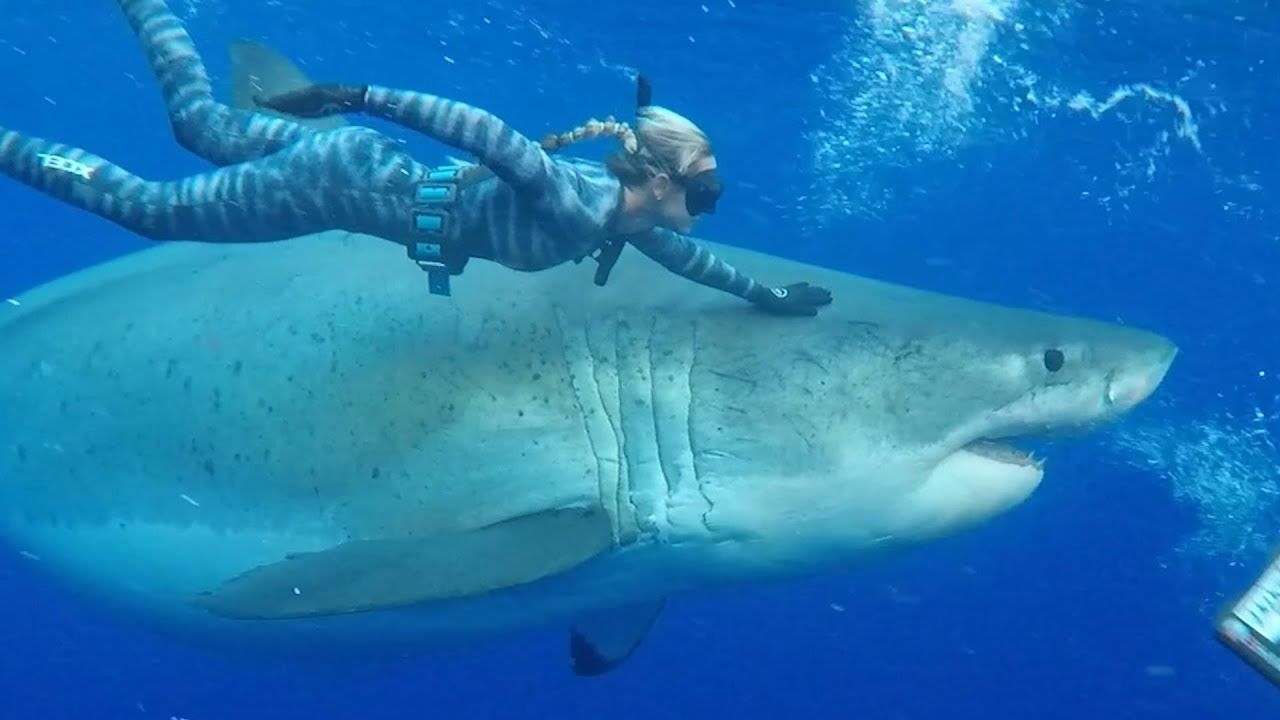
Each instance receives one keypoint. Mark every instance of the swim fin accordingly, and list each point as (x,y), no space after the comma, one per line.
(259,71)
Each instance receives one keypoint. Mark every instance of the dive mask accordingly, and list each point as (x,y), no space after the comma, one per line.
(701,191)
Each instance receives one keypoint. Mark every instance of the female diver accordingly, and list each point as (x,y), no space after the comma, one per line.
(278,179)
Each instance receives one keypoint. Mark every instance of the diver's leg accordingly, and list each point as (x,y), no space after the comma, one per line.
(218,133)
(344,179)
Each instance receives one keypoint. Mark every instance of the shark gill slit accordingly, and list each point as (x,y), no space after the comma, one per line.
(670,361)
(654,412)
(647,397)
(649,485)
(582,368)
(608,349)
(697,471)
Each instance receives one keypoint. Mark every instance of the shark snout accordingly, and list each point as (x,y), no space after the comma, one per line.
(1135,383)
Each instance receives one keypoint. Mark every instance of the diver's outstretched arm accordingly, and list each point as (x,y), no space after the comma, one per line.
(684,256)
(217,133)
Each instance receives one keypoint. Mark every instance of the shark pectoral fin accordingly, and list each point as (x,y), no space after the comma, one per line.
(605,640)
(365,575)
(258,70)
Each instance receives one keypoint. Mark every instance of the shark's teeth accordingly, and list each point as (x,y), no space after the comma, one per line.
(1003,452)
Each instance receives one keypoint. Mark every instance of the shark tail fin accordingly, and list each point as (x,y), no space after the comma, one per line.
(258,70)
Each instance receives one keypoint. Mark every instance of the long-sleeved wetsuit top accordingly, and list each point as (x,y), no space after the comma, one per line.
(539,211)
(281,179)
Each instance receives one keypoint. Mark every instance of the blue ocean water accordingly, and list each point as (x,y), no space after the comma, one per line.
(1114,159)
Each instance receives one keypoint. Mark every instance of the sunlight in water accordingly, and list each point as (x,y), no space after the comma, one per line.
(904,85)
(918,79)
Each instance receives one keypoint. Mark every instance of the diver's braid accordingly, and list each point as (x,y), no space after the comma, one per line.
(593,129)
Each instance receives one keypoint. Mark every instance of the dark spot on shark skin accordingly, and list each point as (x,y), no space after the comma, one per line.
(317,338)
(186,386)
(169,367)
(375,473)
(217,400)
(237,367)
(21,451)
(208,466)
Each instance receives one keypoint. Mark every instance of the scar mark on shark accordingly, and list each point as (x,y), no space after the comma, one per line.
(736,378)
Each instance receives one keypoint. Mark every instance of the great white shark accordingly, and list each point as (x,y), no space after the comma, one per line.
(295,439)
(295,443)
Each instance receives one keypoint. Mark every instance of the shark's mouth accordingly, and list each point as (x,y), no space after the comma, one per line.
(1003,451)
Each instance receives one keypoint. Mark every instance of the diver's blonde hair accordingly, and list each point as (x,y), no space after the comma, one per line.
(591,129)
(663,141)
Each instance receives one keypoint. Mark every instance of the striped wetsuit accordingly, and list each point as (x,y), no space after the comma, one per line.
(279,179)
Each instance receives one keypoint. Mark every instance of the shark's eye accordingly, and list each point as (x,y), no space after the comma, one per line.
(1054,359)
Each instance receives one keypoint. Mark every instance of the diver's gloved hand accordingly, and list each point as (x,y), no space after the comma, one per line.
(316,101)
(795,299)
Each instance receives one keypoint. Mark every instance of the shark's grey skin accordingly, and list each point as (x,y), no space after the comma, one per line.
(535,450)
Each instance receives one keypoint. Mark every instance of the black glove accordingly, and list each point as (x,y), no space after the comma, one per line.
(316,101)
(795,299)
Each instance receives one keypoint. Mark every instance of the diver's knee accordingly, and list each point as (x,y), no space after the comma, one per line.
(195,122)
(186,132)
